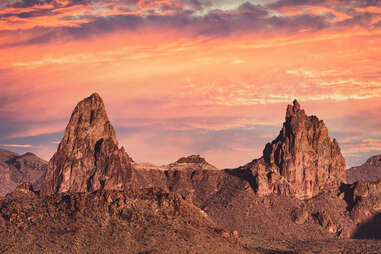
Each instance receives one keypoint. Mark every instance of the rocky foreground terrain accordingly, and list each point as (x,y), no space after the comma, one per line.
(291,200)
(144,221)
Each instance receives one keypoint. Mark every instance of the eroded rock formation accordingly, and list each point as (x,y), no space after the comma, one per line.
(88,157)
(300,163)
(302,160)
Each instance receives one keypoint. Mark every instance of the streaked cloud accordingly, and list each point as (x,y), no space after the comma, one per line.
(16,145)
(191,76)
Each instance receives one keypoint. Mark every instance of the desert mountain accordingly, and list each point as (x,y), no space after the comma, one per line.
(294,191)
(302,160)
(16,169)
(88,157)
(369,171)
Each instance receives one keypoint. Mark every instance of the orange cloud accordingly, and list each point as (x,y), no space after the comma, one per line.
(171,79)
(370,9)
(314,10)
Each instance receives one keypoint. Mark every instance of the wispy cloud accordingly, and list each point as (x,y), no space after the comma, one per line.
(16,145)
(183,74)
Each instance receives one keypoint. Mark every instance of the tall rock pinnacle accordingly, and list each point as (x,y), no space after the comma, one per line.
(302,160)
(88,157)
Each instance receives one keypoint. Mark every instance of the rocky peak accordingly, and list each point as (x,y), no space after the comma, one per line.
(191,159)
(88,157)
(303,159)
(89,121)
(294,109)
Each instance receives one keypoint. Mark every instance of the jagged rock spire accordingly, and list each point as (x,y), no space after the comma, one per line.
(88,157)
(302,160)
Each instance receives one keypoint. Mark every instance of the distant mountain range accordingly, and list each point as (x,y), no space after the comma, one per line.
(369,171)
(16,169)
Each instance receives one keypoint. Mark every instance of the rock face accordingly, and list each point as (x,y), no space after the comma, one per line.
(16,169)
(302,160)
(369,171)
(88,157)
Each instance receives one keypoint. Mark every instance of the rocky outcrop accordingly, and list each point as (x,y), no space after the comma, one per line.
(192,159)
(301,161)
(16,169)
(88,157)
(194,178)
(369,171)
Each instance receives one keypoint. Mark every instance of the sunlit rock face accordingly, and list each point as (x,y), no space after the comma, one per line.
(302,160)
(88,157)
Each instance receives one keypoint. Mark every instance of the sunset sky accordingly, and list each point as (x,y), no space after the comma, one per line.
(180,77)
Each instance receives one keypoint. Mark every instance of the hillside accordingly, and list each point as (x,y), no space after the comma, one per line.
(16,169)
(144,221)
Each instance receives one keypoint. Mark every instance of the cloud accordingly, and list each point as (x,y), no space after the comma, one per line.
(67,20)
(184,75)
(16,145)
(6,3)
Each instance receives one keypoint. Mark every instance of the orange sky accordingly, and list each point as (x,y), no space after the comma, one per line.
(191,77)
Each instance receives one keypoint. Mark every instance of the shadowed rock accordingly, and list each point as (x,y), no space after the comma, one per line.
(371,229)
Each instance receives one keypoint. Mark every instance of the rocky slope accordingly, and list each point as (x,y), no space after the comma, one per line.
(88,157)
(369,171)
(16,169)
(143,221)
(154,221)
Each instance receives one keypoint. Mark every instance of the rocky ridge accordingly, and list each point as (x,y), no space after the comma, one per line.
(369,171)
(16,169)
